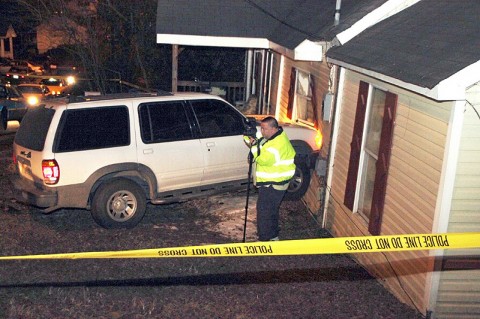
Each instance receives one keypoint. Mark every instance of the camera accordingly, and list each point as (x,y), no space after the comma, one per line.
(250,127)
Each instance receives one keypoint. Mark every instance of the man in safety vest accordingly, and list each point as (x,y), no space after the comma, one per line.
(274,156)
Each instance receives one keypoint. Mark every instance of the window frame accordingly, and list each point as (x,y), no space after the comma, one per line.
(307,97)
(148,106)
(357,154)
(223,132)
(59,135)
(294,95)
(366,151)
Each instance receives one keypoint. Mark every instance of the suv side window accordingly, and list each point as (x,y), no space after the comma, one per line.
(93,128)
(164,122)
(217,118)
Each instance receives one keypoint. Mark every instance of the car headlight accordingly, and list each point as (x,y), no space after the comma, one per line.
(32,100)
(70,80)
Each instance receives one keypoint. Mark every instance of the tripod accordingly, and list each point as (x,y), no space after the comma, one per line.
(250,163)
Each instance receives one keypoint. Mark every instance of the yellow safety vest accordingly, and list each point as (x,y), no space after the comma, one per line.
(274,160)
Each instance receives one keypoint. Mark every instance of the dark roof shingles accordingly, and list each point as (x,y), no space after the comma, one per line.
(423,45)
(286,22)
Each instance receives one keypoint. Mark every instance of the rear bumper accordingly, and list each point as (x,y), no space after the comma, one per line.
(50,199)
(28,193)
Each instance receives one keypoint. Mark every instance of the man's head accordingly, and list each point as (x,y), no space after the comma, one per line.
(269,126)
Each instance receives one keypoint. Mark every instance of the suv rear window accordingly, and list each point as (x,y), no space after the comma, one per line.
(93,128)
(33,131)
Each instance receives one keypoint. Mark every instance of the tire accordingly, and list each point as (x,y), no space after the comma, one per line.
(119,203)
(299,183)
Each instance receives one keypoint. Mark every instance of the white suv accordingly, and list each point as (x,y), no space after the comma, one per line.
(113,154)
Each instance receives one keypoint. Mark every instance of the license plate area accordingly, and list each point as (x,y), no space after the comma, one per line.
(24,168)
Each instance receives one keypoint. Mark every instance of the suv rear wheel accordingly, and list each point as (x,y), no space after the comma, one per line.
(119,203)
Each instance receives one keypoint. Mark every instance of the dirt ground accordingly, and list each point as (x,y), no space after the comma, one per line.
(317,286)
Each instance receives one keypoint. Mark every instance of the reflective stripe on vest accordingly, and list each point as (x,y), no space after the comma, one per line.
(287,174)
(278,160)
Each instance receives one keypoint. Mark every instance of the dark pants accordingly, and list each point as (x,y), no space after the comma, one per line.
(268,205)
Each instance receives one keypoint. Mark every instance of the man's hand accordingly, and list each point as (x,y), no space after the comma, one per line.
(249,141)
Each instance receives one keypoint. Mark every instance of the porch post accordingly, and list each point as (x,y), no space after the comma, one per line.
(174,68)
(11,47)
(249,71)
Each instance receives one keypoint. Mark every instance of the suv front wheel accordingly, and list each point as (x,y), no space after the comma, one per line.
(299,184)
(119,203)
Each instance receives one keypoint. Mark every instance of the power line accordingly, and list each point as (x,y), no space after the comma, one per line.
(253,4)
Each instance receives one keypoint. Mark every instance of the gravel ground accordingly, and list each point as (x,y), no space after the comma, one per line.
(317,286)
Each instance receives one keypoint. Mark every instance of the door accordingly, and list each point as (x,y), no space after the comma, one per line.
(221,128)
(168,146)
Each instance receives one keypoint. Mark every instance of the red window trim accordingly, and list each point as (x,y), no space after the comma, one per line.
(356,145)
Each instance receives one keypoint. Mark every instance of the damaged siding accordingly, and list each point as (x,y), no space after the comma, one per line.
(321,73)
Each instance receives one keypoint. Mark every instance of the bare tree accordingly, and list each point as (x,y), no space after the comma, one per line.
(111,38)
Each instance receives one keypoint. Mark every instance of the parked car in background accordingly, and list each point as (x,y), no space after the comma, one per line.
(55,85)
(5,65)
(37,68)
(27,66)
(112,154)
(34,93)
(20,67)
(13,101)
(17,76)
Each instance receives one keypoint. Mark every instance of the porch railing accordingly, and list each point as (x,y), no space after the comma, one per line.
(233,92)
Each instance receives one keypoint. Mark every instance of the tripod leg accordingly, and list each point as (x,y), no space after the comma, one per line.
(250,163)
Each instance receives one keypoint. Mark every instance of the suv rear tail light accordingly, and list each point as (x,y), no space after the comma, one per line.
(50,171)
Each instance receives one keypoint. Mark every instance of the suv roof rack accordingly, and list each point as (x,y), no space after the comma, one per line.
(111,96)
(163,93)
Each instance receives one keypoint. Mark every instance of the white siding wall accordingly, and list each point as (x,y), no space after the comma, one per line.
(459,291)
(415,167)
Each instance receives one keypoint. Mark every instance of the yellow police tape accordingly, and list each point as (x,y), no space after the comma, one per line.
(288,247)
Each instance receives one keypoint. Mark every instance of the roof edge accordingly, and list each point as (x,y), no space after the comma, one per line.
(386,10)
(242,42)
(450,89)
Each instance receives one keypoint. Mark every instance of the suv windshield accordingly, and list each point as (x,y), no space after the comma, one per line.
(33,131)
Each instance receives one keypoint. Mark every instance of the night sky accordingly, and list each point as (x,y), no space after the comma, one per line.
(11,12)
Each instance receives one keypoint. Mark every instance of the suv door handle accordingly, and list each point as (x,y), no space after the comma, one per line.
(210,144)
(148,151)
